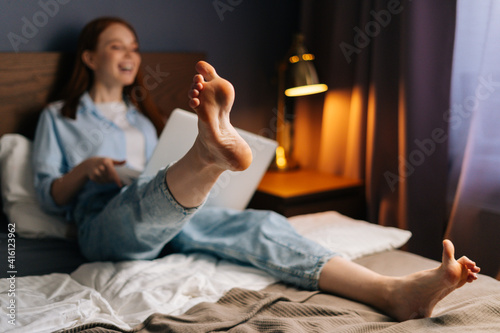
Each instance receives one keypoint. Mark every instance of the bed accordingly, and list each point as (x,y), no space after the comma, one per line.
(48,286)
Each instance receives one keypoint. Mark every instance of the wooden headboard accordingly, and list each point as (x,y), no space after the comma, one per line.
(28,81)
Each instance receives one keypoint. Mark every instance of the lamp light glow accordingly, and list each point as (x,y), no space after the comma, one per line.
(280,158)
(306,90)
(307,57)
(297,77)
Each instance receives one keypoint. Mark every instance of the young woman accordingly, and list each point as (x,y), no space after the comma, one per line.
(100,125)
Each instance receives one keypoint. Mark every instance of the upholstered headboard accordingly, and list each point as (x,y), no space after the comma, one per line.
(29,80)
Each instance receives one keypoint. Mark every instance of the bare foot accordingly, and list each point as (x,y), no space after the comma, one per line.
(219,143)
(218,146)
(415,295)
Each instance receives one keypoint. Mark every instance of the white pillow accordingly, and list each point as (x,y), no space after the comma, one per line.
(19,200)
(351,238)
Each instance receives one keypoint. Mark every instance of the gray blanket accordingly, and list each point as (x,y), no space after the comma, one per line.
(243,310)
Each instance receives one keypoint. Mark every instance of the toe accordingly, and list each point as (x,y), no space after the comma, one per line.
(194,103)
(469,264)
(471,277)
(198,79)
(448,251)
(206,70)
(193,93)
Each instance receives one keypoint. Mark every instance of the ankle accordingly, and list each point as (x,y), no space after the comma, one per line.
(387,292)
(204,160)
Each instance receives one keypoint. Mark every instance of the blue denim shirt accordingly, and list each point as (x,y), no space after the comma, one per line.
(62,143)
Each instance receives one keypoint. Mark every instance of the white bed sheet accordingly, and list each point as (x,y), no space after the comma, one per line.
(126,293)
(123,294)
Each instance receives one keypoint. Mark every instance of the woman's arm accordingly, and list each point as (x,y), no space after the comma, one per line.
(98,169)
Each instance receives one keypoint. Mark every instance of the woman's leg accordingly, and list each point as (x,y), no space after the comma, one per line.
(142,218)
(134,223)
(263,239)
(266,240)
(407,297)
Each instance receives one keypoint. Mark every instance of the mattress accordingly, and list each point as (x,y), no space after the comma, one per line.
(121,296)
(198,292)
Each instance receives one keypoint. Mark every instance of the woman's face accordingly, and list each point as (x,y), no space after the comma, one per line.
(116,60)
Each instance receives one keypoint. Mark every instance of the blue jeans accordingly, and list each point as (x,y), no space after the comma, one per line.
(141,219)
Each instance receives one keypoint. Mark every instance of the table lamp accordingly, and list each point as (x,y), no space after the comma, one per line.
(297,77)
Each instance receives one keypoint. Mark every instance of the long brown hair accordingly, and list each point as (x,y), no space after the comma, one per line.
(82,77)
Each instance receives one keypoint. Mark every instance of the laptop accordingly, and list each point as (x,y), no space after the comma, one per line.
(233,189)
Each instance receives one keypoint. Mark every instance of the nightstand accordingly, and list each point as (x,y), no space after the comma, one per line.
(307,191)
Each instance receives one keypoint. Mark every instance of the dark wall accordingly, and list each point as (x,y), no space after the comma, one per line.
(243,39)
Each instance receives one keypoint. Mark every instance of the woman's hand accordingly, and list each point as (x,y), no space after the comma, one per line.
(102,170)
(98,169)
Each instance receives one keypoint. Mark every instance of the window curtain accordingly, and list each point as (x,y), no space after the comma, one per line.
(474,117)
(388,67)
